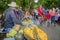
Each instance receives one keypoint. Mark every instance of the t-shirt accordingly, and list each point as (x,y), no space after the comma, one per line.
(40,11)
(48,16)
(56,17)
(52,13)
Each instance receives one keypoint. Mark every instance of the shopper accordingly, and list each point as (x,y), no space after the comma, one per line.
(52,13)
(40,14)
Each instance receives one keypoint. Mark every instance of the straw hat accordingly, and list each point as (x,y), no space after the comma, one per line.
(12,4)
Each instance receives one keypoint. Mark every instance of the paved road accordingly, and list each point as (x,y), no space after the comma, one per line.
(52,32)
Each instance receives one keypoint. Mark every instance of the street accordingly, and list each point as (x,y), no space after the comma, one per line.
(52,32)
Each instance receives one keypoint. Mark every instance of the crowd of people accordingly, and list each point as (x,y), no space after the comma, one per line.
(14,15)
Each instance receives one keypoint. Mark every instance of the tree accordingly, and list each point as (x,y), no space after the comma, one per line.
(25,4)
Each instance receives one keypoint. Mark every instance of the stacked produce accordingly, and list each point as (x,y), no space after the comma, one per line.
(19,35)
(30,31)
(41,34)
(26,22)
(13,31)
(35,33)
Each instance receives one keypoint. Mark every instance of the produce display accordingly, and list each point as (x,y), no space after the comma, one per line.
(30,31)
(13,31)
(41,34)
(26,22)
(35,33)
(19,35)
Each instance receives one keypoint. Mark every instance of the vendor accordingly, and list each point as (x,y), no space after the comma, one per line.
(10,16)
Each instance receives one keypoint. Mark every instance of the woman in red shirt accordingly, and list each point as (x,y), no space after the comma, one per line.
(40,11)
(40,14)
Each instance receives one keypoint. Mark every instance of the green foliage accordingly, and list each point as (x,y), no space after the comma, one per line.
(25,4)
(3,5)
(52,3)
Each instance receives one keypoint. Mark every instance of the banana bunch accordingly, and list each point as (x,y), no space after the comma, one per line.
(35,33)
(26,21)
(13,31)
(41,34)
(28,33)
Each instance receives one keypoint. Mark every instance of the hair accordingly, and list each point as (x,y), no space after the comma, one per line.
(47,11)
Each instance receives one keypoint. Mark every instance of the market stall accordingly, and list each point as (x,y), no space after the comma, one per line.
(29,32)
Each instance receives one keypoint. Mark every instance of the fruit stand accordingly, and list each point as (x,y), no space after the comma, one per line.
(30,32)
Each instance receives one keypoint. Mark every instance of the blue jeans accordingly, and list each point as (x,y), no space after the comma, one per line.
(53,20)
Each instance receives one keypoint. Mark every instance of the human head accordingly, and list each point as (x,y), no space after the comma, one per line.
(53,8)
(47,11)
(40,6)
(21,8)
(13,5)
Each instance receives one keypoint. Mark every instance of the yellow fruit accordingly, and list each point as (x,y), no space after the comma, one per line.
(12,33)
(21,31)
(16,27)
(28,33)
(26,22)
(42,34)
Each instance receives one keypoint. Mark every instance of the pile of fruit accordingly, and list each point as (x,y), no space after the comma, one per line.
(35,33)
(31,32)
(13,31)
